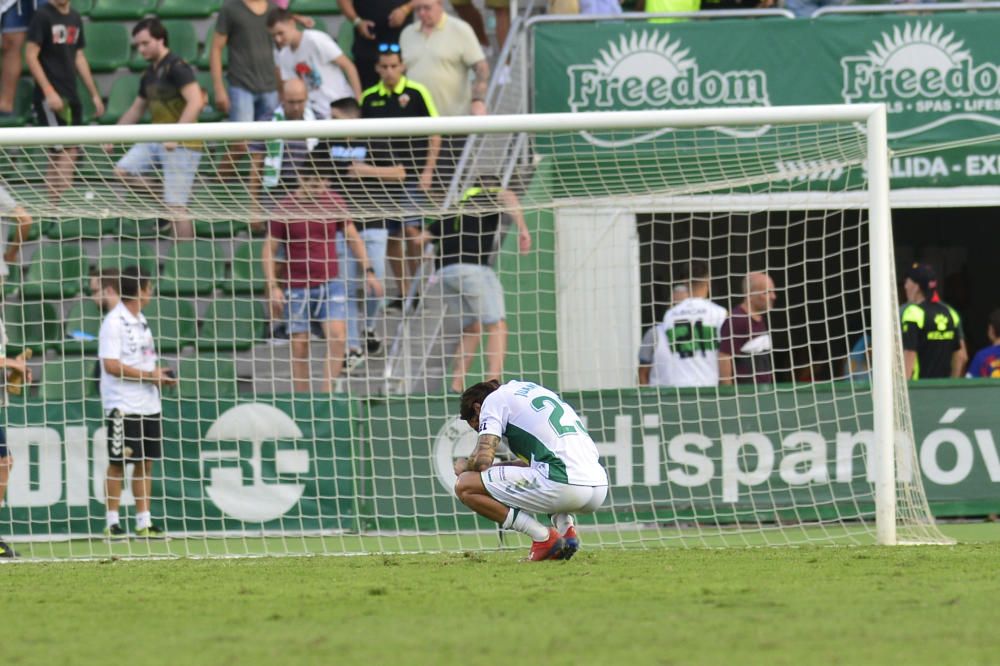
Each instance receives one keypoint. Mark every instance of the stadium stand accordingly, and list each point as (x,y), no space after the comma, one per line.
(121,10)
(56,272)
(108,46)
(172,9)
(191,269)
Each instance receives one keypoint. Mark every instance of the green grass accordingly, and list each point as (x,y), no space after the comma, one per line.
(807,605)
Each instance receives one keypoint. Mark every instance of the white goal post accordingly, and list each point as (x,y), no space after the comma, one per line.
(369,477)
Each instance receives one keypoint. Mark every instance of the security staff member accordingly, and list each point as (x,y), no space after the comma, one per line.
(933,342)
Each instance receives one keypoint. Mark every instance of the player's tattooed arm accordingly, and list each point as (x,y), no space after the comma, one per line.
(486,450)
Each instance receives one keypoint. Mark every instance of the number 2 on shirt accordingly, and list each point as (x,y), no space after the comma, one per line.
(555,418)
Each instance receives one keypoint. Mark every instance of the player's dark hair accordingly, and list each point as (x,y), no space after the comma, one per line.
(699,271)
(108,277)
(131,283)
(346,105)
(154,27)
(278,15)
(994,322)
(387,54)
(474,395)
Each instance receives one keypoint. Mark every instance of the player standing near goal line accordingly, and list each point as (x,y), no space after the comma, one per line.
(558,472)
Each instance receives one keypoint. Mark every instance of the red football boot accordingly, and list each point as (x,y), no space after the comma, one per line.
(550,549)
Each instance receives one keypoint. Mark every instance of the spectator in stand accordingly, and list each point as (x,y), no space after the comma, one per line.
(471,15)
(683,350)
(282,159)
(15,17)
(986,362)
(305,226)
(933,342)
(806,8)
(357,180)
(376,22)
(396,96)
(170,91)
(745,352)
(467,248)
(10,208)
(54,54)
(600,7)
(17,367)
(314,57)
(441,52)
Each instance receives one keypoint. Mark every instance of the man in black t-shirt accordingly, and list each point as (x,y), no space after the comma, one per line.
(933,342)
(170,91)
(467,246)
(54,54)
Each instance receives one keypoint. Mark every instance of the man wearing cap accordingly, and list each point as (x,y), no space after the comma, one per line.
(933,342)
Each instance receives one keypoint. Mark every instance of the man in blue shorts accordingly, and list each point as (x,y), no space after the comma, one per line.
(15,16)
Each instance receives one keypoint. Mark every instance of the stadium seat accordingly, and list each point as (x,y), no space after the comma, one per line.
(108,46)
(130,252)
(33,325)
(219,228)
(69,380)
(120,10)
(94,164)
(247,272)
(33,234)
(183,42)
(83,6)
(123,92)
(22,104)
(86,103)
(191,268)
(202,61)
(231,324)
(170,9)
(82,325)
(209,114)
(345,38)
(174,323)
(80,227)
(207,378)
(130,227)
(56,271)
(314,6)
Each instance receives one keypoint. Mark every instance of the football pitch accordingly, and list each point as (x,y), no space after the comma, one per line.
(796,605)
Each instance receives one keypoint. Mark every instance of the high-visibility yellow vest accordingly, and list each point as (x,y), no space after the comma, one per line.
(664,6)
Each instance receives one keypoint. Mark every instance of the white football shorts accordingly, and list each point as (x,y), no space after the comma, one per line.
(528,489)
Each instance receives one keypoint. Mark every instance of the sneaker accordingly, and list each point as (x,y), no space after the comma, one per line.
(550,549)
(6,551)
(372,342)
(355,357)
(572,542)
(115,533)
(151,532)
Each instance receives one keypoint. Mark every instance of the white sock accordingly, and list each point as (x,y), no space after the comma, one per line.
(519,521)
(143,519)
(111,518)
(562,522)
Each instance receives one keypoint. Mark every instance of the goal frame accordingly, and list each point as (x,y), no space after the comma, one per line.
(871,117)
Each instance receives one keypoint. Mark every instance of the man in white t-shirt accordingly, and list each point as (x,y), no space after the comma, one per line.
(683,350)
(314,57)
(130,394)
(558,471)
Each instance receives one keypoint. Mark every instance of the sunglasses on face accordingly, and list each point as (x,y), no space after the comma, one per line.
(388,48)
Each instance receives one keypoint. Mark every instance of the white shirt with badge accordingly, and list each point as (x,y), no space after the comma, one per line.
(128,339)
(686,344)
(313,63)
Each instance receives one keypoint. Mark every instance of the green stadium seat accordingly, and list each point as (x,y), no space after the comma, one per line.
(56,271)
(69,379)
(174,323)
(82,323)
(219,228)
(95,164)
(33,325)
(170,9)
(192,268)
(121,10)
(247,271)
(315,6)
(345,38)
(83,6)
(207,378)
(34,233)
(209,114)
(202,61)
(86,103)
(108,46)
(22,104)
(183,42)
(231,324)
(129,227)
(123,92)
(80,227)
(129,252)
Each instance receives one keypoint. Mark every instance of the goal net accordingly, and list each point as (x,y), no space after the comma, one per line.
(315,409)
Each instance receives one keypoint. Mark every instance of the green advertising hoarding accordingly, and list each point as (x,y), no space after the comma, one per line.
(939,76)
(299,466)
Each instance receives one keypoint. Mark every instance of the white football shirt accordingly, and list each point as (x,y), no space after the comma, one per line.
(127,338)
(685,346)
(313,63)
(544,431)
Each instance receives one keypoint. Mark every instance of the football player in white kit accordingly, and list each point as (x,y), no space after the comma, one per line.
(558,471)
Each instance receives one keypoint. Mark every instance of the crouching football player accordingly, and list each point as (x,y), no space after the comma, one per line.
(558,471)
